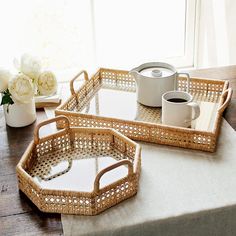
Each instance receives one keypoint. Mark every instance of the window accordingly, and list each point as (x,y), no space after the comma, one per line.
(130,32)
(78,34)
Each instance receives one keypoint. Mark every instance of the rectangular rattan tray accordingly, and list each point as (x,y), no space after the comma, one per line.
(108,100)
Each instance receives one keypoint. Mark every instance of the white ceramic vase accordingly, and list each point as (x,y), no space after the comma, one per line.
(20,114)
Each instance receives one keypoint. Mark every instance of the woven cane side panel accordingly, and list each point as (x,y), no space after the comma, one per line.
(29,189)
(67,203)
(77,102)
(126,148)
(24,182)
(118,79)
(124,79)
(29,161)
(126,189)
(61,142)
(160,135)
(195,140)
(201,86)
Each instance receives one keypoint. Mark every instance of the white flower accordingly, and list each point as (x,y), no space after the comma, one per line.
(30,66)
(21,88)
(47,83)
(5,76)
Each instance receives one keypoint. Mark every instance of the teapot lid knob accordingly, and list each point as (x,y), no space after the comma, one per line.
(156,73)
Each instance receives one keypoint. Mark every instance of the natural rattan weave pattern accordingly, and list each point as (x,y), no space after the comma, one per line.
(66,149)
(146,125)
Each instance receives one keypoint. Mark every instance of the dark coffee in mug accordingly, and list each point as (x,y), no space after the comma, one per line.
(177,100)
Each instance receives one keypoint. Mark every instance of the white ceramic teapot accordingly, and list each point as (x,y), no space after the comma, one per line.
(153,79)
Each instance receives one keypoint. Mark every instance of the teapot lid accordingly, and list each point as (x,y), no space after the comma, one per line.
(156,70)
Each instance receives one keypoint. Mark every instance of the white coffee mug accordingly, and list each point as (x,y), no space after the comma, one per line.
(178,109)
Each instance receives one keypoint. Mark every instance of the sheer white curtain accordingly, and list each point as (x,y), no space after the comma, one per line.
(80,34)
(217,34)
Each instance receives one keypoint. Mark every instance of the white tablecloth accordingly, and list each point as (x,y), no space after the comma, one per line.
(182,192)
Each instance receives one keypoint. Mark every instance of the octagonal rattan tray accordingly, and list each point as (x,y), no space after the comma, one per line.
(108,100)
(79,170)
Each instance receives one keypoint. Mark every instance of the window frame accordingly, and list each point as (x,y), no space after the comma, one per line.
(188,59)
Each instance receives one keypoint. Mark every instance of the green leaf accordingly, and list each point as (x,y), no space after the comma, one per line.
(6,98)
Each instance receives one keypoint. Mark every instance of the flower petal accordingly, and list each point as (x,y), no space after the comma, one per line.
(21,88)
(47,83)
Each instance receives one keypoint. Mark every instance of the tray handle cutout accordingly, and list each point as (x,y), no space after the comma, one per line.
(109,168)
(228,94)
(46,122)
(72,90)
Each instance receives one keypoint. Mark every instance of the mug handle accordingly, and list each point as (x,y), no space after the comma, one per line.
(196,109)
(188,80)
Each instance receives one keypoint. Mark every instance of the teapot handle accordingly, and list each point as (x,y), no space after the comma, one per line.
(188,80)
